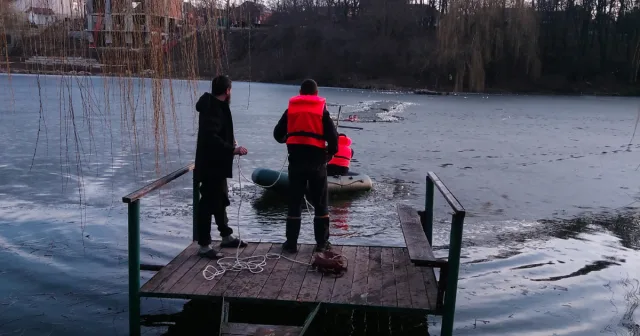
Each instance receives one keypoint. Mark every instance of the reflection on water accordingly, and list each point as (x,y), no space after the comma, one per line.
(566,272)
(510,160)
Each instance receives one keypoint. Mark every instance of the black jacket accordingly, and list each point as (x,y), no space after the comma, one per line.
(214,151)
(305,155)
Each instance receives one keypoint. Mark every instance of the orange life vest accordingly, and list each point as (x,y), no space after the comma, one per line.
(343,156)
(304,121)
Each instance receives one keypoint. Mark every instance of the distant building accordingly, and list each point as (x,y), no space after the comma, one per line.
(122,30)
(249,12)
(59,7)
(40,16)
(115,23)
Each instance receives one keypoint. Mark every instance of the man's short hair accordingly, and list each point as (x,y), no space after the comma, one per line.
(308,87)
(220,85)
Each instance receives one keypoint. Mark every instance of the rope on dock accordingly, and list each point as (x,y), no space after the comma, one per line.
(256,263)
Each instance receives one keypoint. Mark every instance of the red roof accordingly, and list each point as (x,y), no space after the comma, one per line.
(41,11)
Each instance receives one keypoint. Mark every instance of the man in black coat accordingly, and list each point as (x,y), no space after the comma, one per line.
(308,169)
(216,147)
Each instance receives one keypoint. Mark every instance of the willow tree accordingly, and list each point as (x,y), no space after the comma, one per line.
(473,34)
(10,25)
(158,50)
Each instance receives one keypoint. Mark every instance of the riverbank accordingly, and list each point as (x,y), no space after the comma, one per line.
(545,87)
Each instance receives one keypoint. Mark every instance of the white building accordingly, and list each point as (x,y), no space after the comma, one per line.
(59,7)
(40,16)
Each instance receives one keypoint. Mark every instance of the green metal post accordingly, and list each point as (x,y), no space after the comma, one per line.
(455,246)
(134,268)
(428,211)
(196,200)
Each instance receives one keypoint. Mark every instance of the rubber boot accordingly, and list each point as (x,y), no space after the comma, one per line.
(321,232)
(292,233)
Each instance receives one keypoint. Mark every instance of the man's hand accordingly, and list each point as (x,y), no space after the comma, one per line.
(329,157)
(240,151)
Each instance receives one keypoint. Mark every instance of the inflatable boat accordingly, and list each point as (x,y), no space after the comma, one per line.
(273,180)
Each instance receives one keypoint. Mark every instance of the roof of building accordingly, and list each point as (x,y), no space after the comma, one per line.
(40,11)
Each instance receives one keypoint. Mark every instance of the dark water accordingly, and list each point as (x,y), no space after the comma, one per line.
(550,185)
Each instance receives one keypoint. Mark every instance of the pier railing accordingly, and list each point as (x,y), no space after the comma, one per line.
(448,274)
(422,220)
(133,202)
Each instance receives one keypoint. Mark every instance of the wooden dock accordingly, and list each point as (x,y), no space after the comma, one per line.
(382,277)
(391,279)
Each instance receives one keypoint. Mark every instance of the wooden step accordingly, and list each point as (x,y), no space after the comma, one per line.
(245,329)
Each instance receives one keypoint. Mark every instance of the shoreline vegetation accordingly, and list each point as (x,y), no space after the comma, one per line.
(544,47)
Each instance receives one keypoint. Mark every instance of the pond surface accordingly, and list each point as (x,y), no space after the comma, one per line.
(550,185)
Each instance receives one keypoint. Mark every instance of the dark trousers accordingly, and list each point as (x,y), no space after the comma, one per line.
(214,200)
(313,180)
(333,170)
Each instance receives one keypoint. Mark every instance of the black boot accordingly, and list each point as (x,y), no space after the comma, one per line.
(226,233)
(292,233)
(321,232)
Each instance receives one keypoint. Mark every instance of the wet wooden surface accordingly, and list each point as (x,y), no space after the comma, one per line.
(376,276)
(420,251)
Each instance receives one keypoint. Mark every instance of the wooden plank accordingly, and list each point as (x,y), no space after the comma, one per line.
(310,285)
(293,283)
(342,288)
(419,299)
(237,287)
(197,267)
(431,285)
(257,281)
(178,273)
(360,276)
(419,248)
(237,329)
(325,288)
(136,195)
(402,279)
(199,285)
(375,274)
(166,271)
(389,298)
(276,279)
(230,276)
(190,281)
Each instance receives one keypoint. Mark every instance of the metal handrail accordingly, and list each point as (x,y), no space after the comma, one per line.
(133,214)
(449,274)
(140,193)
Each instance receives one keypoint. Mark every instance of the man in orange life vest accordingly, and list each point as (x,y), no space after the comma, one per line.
(339,165)
(307,129)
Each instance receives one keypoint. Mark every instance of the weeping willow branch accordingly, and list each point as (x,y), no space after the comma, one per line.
(134,86)
(473,34)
